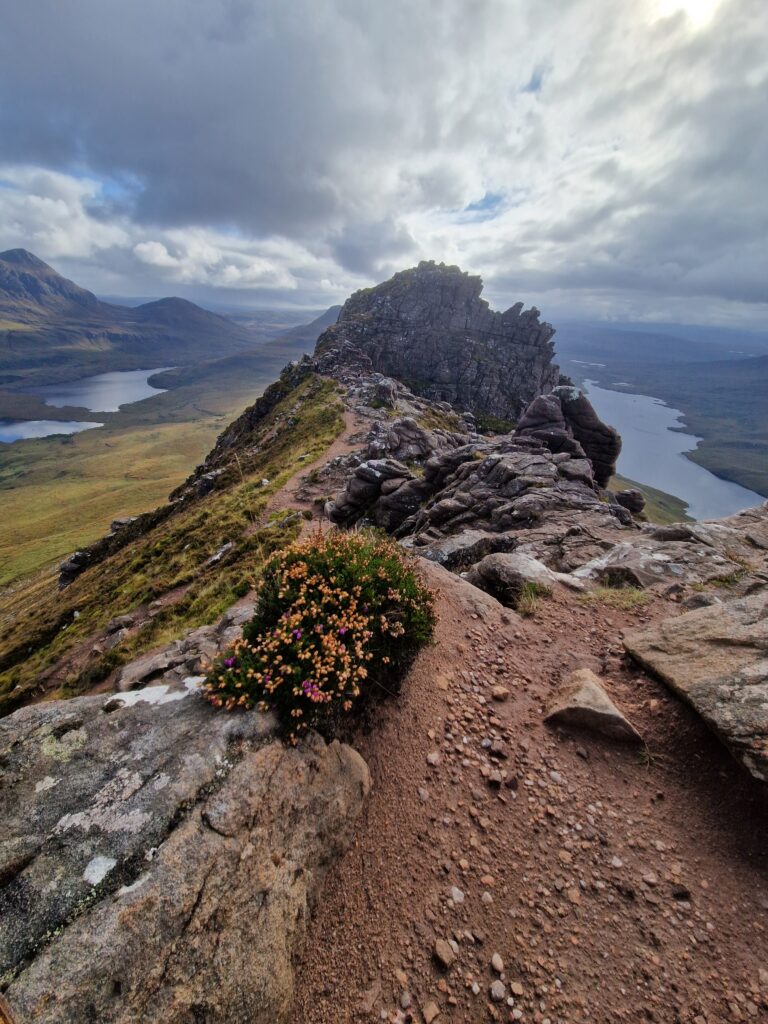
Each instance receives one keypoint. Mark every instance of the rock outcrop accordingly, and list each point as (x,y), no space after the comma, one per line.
(716,658)
(159,858)
(566,422)
(505,574)
(504,488)
(429,328)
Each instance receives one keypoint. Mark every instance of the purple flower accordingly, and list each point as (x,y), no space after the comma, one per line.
(229,662)
(342,631)
(297,634)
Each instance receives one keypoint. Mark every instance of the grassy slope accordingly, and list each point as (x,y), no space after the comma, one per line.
(57,494)
(38,625)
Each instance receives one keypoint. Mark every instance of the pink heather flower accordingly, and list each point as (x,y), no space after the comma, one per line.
(342,631)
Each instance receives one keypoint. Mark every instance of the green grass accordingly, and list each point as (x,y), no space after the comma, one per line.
(38,624)
(61,493)
(436,419)
(528,600)
(494,425)
(660,508)
(626,599)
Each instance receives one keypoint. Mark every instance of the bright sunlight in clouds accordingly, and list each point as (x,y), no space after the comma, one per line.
(594,157)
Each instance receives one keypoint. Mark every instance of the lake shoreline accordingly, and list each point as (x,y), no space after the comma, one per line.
(658,449)
(103,395)
(717,452)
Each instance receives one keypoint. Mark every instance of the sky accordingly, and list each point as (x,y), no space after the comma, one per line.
(599,159)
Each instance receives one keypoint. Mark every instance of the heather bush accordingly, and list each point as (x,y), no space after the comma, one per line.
(339,618)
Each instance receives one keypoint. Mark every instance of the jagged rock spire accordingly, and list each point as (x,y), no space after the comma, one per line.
(430,328)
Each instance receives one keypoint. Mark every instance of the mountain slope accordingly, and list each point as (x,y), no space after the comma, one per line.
(53,330)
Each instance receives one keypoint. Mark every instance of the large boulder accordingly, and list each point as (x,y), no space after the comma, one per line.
(583,703)
(159,857)
(566,422)
(504,575)
(716,658)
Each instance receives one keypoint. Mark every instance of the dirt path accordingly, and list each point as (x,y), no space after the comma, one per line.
(296,493)
(615,884)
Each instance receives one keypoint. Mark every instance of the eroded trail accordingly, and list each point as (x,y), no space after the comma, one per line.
(614,883)
(298,492)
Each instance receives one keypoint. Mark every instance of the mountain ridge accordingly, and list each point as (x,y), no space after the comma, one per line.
(504,808)
(52,330)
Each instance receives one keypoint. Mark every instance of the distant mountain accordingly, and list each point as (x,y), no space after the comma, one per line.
(53,330)
(268,359)
(308,334)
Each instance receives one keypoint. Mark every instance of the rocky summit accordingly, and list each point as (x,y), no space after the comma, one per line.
(429,328)
(576,766)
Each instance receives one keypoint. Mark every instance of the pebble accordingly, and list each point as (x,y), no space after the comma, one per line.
(497,963)
(500,693)
(457,895)
(433,758)
(430,1012)
(444,953)
(498,992)
(405,1000)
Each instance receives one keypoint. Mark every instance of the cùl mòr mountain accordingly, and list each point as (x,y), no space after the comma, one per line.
(52,330)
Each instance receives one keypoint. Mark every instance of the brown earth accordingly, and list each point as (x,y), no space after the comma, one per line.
(616,883)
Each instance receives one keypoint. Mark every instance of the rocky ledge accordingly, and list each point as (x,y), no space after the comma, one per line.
(159,859)
(527,508)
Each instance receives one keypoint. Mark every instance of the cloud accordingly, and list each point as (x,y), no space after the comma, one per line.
(593,155)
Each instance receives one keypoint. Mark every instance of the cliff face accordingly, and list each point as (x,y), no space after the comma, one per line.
(430,328)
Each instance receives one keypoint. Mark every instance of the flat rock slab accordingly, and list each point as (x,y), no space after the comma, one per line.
(158,857)
(584,704)
(716,658)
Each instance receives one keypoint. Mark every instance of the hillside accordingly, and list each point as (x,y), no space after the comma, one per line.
(57,493)
(52,330)
(575,766)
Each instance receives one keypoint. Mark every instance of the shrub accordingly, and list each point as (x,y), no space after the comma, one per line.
(339,619)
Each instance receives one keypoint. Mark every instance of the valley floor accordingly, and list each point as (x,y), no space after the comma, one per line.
(60,493)
(616,884)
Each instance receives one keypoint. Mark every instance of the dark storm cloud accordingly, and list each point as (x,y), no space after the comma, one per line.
(294,151)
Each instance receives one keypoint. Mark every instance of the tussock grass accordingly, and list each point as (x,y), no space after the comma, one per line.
(528,600)
(626,599)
